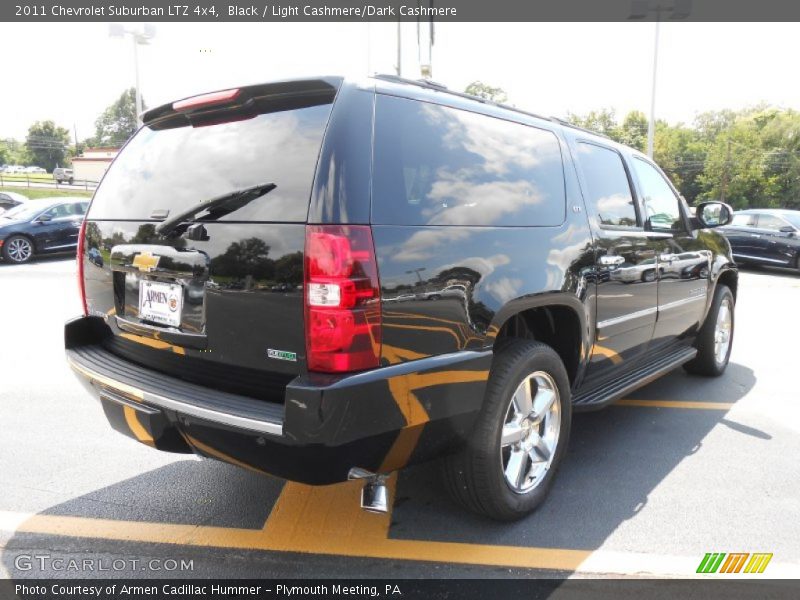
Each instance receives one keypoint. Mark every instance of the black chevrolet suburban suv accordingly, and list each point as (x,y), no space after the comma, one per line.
(324,278)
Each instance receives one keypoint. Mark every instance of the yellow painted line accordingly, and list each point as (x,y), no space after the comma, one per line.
(676,404)
(362,538)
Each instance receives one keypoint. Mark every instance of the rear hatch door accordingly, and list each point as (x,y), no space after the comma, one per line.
(195,237)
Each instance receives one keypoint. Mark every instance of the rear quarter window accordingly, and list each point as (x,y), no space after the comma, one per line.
(175,168)
(435,165)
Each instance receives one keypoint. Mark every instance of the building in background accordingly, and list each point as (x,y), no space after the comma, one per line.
(92,164)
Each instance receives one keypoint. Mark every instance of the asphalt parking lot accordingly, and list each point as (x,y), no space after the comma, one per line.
(683,467)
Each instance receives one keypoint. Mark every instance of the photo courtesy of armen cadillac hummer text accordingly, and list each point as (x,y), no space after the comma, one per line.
(324,279)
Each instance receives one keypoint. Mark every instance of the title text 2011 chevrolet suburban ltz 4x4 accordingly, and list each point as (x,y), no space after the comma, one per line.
(326,278)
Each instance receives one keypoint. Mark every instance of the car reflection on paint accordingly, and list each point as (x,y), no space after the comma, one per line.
(645,272)
(95,257)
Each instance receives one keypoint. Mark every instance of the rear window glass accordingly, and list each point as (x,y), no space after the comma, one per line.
(435,165)
(175,169)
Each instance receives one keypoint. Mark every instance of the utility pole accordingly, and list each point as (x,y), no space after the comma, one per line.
(724,184)
(139,37)
(651,123)
(138,90)
(399,50)
(641,9)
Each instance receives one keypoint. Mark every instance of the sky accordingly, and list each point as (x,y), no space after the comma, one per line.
(70,72)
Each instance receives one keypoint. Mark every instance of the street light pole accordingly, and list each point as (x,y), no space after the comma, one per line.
(135,39)
(139,37)
(651,125)
(676,10)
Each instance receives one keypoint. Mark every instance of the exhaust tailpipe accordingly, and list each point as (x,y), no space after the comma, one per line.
(374,494)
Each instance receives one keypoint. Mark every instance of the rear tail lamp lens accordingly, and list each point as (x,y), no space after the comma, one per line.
(342,299)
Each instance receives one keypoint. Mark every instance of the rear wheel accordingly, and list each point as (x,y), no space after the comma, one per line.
(715,340)
(506,469)
(18,249)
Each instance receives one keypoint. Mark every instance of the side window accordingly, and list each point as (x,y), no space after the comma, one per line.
(435,165)
(770,222)
(608,195)
(662,210)
(743,220)
(58,211)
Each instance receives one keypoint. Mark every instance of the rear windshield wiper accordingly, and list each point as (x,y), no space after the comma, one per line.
(217,207)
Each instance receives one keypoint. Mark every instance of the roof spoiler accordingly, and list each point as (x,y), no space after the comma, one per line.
(254,99)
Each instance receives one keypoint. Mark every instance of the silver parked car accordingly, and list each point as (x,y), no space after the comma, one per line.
(61,175)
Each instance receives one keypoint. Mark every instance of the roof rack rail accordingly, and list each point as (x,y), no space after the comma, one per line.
(425,83)
(566,123)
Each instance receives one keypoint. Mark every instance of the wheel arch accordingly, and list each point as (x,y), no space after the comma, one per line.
(558,320)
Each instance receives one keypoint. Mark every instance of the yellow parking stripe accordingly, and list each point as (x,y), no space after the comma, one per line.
(312,520)
(676,404)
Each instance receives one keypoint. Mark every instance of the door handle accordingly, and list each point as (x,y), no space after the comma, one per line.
(755,235)
(610,261)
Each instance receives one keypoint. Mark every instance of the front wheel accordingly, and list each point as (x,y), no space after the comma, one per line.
(18,249)
(506,469)
(715,340)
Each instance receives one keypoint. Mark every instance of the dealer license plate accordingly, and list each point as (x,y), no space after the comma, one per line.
(160,302)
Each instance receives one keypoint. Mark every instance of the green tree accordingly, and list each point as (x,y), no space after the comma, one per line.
(46,144)
(602,121)
(486,91)
(118,121)
(633,131)
(681,153)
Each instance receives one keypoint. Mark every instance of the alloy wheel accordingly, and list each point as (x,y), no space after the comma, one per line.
(723,331)
(530,432)
(19,249)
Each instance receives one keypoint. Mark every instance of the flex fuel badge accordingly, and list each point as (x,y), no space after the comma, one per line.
(282,355)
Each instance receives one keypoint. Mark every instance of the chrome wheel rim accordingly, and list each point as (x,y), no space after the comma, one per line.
(723,331)
(530,432)
(19,249)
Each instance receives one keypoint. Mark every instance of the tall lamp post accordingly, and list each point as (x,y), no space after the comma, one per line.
(641,9)
(140,37)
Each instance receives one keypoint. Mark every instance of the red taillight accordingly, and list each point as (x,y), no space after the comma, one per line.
(204,100)
(342,299)
(79,258)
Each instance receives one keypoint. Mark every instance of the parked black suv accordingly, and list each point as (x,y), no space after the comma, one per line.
(323,278)
(765,236)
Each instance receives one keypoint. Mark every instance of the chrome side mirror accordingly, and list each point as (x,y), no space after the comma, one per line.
(713,214)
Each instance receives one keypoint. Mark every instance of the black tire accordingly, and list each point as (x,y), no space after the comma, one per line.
(71,181)
(475,475)
(707,362)
(10,253)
